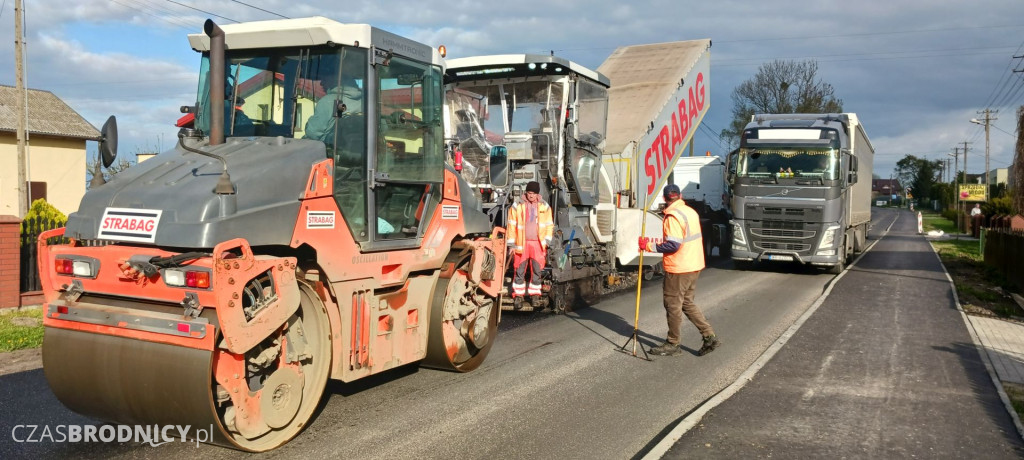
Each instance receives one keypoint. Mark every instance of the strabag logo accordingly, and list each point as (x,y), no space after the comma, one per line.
(125,224)
(449,212)
(319,219)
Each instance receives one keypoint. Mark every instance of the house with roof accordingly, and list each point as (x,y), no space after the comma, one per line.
(55,151)
(885,188)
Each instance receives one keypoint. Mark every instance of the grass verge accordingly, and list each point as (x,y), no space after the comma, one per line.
(20,330)
(982,290)
(1016,394)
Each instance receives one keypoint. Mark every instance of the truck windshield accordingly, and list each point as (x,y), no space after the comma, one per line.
(482,113)
(788,161)
(276,91)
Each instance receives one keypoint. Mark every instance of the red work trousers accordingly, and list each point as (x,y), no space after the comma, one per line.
(531,259)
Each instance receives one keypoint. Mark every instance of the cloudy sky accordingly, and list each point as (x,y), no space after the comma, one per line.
(915,71)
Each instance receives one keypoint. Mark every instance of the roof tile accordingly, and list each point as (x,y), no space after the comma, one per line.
(47,115)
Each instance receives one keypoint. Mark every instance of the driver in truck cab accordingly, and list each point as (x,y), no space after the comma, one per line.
(321,125)
(530,227)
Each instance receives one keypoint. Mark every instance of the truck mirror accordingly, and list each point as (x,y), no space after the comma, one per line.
(108,142)
(853,163)
(852,179)
(499,165)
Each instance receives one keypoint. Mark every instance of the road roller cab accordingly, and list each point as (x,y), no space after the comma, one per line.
(305,227)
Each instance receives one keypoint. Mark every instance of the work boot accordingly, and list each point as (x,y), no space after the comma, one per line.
(517,302)
(667,349)
(710,343)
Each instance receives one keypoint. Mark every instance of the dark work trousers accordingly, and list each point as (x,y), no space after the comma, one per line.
(679,290)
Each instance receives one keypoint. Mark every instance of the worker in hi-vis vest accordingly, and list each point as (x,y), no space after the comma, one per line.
(683,250)
(530,226)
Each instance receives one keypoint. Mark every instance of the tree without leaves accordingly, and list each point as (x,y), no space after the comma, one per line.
(119,165)
(781,87)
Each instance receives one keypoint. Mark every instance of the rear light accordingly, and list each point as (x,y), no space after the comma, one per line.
(187,278)
(197,279)
(85,267)
(174,277)
(62,309)
(184,327)
(64,266)
(82,268)
(458,159)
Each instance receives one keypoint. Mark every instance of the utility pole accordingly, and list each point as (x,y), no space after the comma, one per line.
(965,162)
(965,183)
(956,193)
(987,121)
(21,108)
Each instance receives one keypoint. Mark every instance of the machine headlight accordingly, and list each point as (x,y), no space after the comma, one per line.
(828,237)
(737,234)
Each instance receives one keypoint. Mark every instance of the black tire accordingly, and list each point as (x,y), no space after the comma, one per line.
(843,259)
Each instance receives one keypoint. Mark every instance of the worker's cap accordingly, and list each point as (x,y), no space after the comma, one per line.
(670,191)
(533,186)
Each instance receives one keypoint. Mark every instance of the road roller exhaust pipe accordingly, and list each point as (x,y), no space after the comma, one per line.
(216,81)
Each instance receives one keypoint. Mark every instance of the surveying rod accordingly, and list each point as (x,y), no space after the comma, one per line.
(640,276)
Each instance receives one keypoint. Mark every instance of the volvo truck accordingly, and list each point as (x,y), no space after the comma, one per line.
(801,190)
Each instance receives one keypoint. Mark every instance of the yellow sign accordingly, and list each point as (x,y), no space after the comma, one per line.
(973,192)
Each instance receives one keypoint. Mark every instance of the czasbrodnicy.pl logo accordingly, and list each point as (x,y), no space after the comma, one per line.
(154,435)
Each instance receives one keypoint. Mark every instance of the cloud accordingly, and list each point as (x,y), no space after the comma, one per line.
(144,93)
(915,71)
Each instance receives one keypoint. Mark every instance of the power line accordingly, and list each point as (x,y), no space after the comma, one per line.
(165,10)
(1007,74)
(1003,130)
(868,34)
(148,13)
(711,134)
(202,11)
(261,9)
(825,58)
(1012,93)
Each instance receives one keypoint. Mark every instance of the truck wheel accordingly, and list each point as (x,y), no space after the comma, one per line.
(838,268)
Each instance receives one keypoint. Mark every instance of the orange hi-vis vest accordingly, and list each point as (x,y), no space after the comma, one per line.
(517,225)
(682,225)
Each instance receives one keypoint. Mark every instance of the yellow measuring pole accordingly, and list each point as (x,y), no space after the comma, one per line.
(639,284)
